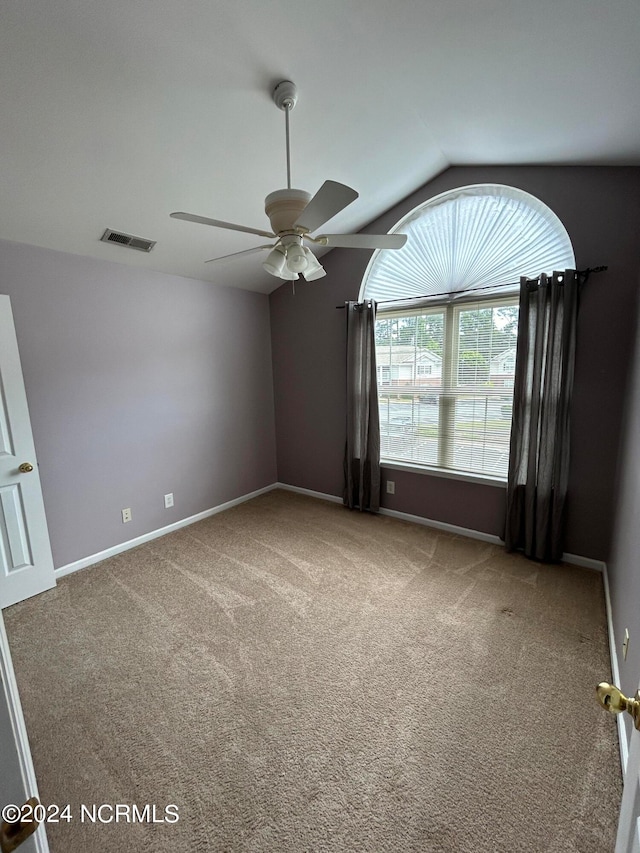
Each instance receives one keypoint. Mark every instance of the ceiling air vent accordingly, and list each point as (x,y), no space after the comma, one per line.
(128,240)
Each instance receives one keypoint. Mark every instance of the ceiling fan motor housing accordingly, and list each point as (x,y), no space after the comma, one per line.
(283,207)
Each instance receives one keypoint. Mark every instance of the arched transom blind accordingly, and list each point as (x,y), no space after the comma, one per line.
(473,237)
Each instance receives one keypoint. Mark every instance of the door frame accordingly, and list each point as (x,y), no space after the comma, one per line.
(623,738)
(9,689)
(628,834)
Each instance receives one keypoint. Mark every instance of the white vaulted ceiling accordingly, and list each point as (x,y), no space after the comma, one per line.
(115,114)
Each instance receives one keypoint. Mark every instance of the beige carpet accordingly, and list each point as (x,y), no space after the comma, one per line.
(298,677)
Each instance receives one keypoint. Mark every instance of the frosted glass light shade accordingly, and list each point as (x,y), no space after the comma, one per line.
(314,269)
(296,258)
(275,262)
(470,238)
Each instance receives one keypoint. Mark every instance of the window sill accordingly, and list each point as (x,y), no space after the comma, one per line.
(482,479)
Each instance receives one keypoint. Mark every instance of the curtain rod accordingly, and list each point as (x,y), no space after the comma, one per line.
(585,273)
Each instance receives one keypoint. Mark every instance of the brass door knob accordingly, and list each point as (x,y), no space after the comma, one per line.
(25,468)
(613,700)
(12,835)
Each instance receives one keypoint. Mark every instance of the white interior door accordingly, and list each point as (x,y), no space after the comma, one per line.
(628,840)
(17,779)
(26,564)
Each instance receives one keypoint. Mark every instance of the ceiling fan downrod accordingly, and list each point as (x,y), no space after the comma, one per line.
(295,214)
(285,96)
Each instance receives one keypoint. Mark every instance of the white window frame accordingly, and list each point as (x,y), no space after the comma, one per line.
(451,309)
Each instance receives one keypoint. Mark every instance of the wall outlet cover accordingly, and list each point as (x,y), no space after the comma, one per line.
(625,644)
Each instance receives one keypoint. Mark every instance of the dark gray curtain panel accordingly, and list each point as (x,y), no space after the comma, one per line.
(539,454)
(362,452)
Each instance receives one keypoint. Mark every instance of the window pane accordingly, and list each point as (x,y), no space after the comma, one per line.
(485,371)
(487,339)
(409,363)
(445,386)
(482,429)
(409,427)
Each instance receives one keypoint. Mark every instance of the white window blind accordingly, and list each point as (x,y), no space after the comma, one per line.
(470,238)
(457,414)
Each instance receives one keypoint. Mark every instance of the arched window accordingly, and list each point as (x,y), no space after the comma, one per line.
(447,325)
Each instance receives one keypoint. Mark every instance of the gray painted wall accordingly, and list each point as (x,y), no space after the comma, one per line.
(624,566)
(600,207)
(139,384)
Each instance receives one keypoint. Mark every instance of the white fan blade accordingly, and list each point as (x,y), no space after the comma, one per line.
(218,223)
(235,254)
(330,199)
(363,241)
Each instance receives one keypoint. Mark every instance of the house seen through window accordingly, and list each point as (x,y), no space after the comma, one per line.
(447,327)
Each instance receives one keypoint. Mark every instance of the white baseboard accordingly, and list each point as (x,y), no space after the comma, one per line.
(585,562)
(155,534)
(442,525)
(574,559)
(300,491)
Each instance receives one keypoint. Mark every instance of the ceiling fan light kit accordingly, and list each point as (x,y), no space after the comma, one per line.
(293,214)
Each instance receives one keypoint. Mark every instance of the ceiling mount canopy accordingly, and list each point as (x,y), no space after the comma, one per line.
(469,239)
(293,214)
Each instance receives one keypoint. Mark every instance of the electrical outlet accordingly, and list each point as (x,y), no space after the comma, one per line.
(126,515)
(625,644)
(168,500)
(391,487)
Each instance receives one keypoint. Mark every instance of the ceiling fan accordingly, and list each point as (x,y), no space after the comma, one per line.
(293,214)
